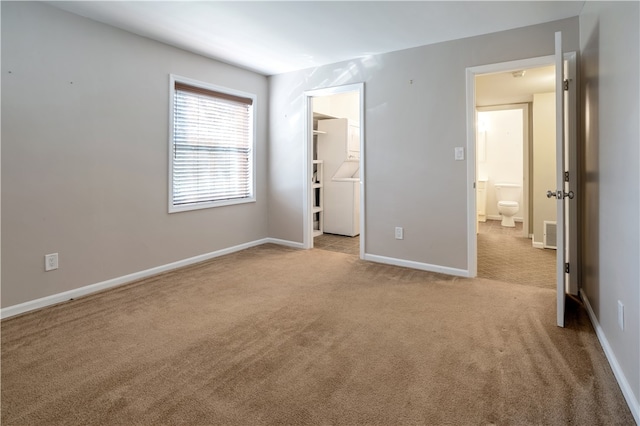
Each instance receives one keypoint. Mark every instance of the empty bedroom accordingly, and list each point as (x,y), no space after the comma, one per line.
(162,188)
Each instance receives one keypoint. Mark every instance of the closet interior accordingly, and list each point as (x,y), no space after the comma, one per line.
(336,165)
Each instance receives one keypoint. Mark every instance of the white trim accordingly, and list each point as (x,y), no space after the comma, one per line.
(572,166)
(308,157)
(625,387)
(307,172)
(472,209)
(362,127)
(535,244)
(126,279)
(280,242)
(560,204)
(416,265)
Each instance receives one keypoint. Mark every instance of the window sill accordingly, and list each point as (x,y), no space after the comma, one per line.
(209,205)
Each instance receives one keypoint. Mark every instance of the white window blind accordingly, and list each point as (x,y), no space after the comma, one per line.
(212,147)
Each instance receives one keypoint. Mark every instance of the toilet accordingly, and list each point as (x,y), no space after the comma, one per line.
(508,195)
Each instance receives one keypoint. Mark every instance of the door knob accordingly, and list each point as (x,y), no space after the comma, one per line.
(560,195)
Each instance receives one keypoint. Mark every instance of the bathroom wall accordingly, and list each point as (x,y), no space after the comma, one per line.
(544,162)
(503,153)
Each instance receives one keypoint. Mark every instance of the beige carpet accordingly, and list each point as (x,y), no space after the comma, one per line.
(273,335)
(338,243)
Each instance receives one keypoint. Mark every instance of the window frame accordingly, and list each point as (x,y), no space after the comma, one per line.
(173,79)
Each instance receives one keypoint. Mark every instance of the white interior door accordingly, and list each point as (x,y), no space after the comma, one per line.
(560,181)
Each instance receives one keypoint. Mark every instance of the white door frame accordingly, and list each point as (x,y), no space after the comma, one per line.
(471,73)
(561,203)
(308,160)
(571,129)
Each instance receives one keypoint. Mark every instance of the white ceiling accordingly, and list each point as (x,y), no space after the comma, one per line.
(504,88)
(273,37)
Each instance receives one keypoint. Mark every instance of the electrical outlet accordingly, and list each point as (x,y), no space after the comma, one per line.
(51,262)
(399,233)
(620,315)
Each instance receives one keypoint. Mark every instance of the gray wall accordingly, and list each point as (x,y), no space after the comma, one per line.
(411,177)
(609,44)
(84,154)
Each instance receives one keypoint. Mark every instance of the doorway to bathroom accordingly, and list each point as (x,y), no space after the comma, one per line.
(335,169)
(505,95)
(560,105)
(508,168)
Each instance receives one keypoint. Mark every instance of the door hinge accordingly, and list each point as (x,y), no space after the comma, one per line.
(566,268)
(566,85)
(566,176)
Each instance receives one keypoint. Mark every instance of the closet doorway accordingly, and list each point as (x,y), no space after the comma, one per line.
(334,169)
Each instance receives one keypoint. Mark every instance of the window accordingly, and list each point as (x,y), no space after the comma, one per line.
(211,146)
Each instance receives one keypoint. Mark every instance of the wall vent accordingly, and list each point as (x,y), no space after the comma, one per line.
(550,239)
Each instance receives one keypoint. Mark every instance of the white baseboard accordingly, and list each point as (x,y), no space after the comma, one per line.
(416,265)
(287,243)
(632,400)
(536,244)
(92,288)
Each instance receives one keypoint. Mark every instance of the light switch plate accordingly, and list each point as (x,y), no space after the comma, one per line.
(459,153)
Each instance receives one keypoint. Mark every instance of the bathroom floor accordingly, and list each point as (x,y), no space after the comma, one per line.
(339,243)
(494,227)
(505,255)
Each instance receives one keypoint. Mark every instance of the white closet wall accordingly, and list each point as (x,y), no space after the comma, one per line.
(339,150)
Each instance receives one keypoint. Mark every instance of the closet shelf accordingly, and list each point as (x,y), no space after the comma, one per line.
(321,116)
